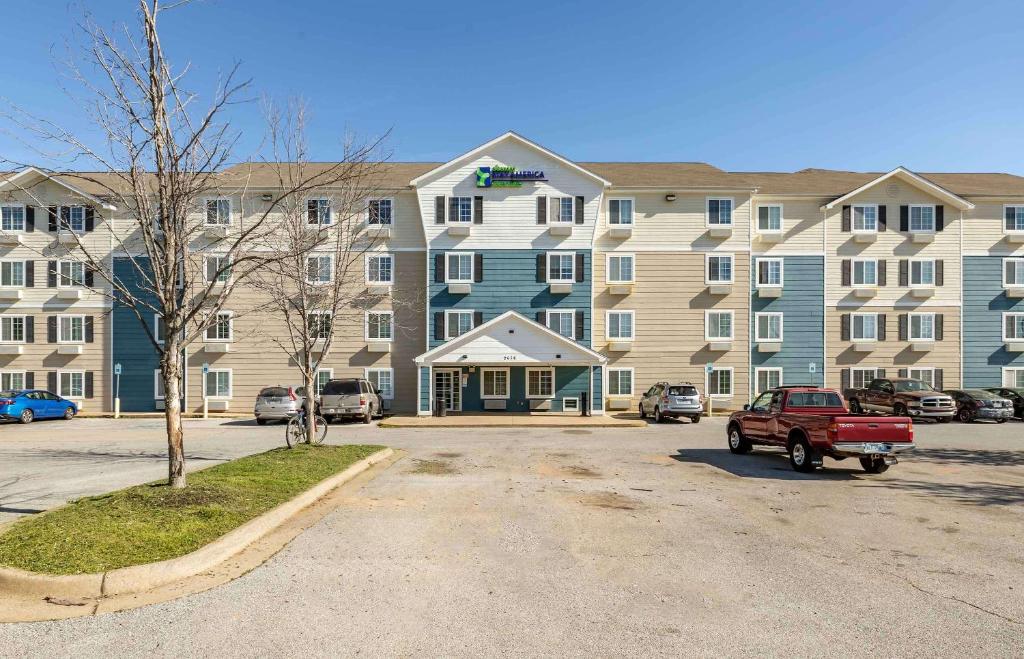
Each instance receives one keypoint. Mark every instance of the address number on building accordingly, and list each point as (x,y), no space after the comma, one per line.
(510,358)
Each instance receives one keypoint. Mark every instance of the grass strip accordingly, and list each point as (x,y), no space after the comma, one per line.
(149,523)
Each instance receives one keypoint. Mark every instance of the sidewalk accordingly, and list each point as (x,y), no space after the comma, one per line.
(509,420)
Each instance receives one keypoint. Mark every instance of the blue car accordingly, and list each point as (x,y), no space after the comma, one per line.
(27,405)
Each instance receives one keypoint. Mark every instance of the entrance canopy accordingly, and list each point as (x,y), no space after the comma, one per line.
(511,339)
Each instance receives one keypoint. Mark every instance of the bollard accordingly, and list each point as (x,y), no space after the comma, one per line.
(206,408)
(117,408)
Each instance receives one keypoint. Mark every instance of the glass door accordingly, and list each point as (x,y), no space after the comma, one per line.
(448,385)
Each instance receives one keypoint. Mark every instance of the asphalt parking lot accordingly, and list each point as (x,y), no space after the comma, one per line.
(577,542)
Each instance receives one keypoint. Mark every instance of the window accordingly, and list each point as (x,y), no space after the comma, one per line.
(70,329)
(460,210)
(71,384)
(318,211)
(12,273)
(767,378)
(158,385)
(218,212)
(1013,327)
(769,218)
(620,382)
(719,268)
(922,273)
(865,272)
(561,266)
(459,267)
(494,383)
(860,378)
(220,329)
(926,375)
(922,327)
(720,382)
(319,323)
(218,269)
(319,269)
(718,325)
(378,326)
(72,218)
(1013,272)
(12,217)
(323,376)
(70,273)
(540,382)
(769,273)
(922,218)
(620,325)
(380,269)
(719,212)
(620,211)
(218,383)
(382,379)
(620,269)
(864,327)
(1013,377)
(12,380)
(457,323)
(566,205)
(159,329)
(1014,218)
(562,321)
(768,326)
(381,212)
(12,329)
(865,218)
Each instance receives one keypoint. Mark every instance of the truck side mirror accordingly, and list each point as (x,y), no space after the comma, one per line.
(746,407)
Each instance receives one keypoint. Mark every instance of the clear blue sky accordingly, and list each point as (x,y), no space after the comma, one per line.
(742,85)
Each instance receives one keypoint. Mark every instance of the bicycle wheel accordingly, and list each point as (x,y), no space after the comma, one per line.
(319,429)
(294,433)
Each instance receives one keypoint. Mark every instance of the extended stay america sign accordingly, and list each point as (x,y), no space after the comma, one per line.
(504,176)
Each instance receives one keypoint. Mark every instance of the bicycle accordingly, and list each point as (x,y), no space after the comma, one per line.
(295,432)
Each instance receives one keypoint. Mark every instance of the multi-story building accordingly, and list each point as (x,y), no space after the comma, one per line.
(511,278)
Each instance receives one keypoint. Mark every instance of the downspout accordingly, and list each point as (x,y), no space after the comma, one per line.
(824,297)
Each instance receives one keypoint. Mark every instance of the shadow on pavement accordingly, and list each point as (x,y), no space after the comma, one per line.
(988,458)
(977,494)
(762,464)
(98,455)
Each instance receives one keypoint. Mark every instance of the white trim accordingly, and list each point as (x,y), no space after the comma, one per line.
(732,324)
(69,396)
(380,255)
(864,384)
(12,371)
(549,369)
(213,325)
(632,324)
(391,324)
(448,207)
(920,369)
(472,267)
(910,273)
(632,381)
(732,382)
(547,268)
(910,327)
(319,222)
(1006,231)
(632,212)
(156,329)
(508,383)
(24,328)
(447,333)
(391,200)
(157,381)
(557,220)
(853,219)
(766,369)
(575,403)
(11,181)
(720,224)
(60,276)
(206,211)
(1020,268)
(1006,370)
(853,325)
(231,383)
(23,272)
(330,273)
(1010,314)
(757,271)
(757,218)
(206,268)
(757,326)
(910,219)
(608,267)
(70,316)
(24,217)
(853,273)
(320,324)
(707,268)
(366,374)
(571,312)
(917,180)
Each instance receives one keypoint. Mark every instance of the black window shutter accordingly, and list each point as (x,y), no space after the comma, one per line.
(51,274)
(881,273)
(904,218)
(439,209)
(844,379)
(939,333)
(478,318)
(579,210)
(51,381)
(882,222)
(89,332)
(937,378)
(478,210)
(439,326)
(902,373)
(30,330)
(881,326)
(580,265)
(478,267)
(542,210)
(904,272)
(903,329)
(439,268)
(51,329)
(579,325)
(51,212)
(89,276)
(847,225)
(542,268)
(844,327)
(846,272)
(30,219)
(30,274)
(542,317)
(940,217)
(30,380)
(940,275)
(90,218)
(88,384)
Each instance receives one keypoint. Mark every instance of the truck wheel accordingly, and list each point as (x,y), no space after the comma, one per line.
(643,415)
(801,456)
(899,410)
(855,407)
(873,465)
(657,415)
(368,417)
(695,418)
(261,422)
(738,444)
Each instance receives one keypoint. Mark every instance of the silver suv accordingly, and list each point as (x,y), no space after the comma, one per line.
(278,403)
(672,400)
(350,397)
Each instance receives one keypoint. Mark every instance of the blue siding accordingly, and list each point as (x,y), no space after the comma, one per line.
(510,283)
(803,322)
(984,355)
(598,402)
(133,350)
(424,388)
(570,382)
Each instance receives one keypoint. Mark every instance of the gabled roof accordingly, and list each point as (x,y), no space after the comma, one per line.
(32,171)
(910,177)
(510,135)
(558,344)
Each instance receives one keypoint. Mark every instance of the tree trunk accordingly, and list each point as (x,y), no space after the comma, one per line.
(170,371)
(310,405)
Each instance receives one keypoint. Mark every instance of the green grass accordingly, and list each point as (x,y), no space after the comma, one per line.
(153,522)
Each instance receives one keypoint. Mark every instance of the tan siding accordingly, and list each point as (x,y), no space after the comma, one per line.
(803,226)
(660,224)
(983,228)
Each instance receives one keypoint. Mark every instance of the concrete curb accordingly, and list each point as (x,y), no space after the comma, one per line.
(140,578)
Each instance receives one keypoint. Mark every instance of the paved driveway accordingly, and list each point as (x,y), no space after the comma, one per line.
(608,542)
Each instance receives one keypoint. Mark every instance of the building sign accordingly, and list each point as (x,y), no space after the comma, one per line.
(503,176)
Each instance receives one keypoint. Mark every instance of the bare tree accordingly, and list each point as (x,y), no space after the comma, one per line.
(162,163)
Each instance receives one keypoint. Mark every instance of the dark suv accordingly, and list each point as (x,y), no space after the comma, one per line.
(350,397)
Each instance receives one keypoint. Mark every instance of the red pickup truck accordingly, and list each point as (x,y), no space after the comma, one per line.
(810,423)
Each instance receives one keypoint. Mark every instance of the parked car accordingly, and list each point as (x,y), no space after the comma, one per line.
(973,404)
(278,403)
(351,397)
(672,400)
(1013,394)
(811,422)
(27,405)
(902,397)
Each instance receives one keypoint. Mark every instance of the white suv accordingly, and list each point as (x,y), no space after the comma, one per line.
(672,400)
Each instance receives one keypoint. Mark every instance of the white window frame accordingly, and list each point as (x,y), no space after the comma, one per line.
(732,382)
(61,318)
(321,221)
(448,205)
(157,383)
(231,384)
(632,381)
(71,282)
(391,269)
(608,324)
(24,218)
(329,372)
(707,212)
(13,263)
(915,372)
(206,211)
(910,327)
(1011,371)
(1011,314)
(853,273)
(572,321)
(557,219)
(910,273)
(549,369)
(853,327)
(1020,269)
(447,325)
(632,211)
(864,381)
(767,370)
(910,218)
(156,329)
(391,325)
(707,324)
(1018,211)
(572,267)
(782,220)
(385,394)
(853,218)
(508,383)
(757,326)
(24,326)
(60,383)
(757,271)
(231,327)
(707,268)
(330,269)
(320,326)
(226,274)
(608,267)
(448,279)
(369,215)
(9,373)
(71,219)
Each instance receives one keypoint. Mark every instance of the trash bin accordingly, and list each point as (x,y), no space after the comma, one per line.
(584,408)
(440,409)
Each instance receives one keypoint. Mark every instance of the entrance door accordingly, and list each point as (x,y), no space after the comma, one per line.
(448,385)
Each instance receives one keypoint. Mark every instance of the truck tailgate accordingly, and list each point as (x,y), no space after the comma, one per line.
(873,429)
